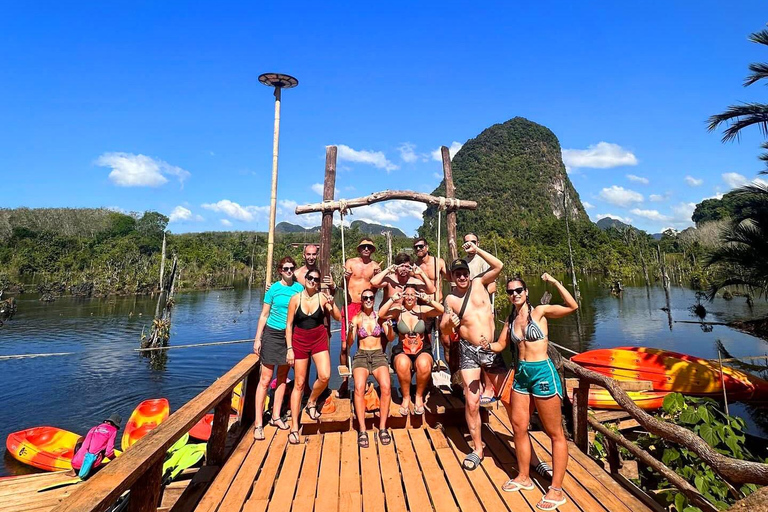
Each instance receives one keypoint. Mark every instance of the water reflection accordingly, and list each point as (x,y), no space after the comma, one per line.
(105,374)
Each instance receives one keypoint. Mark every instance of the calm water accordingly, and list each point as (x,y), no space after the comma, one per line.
(106,375)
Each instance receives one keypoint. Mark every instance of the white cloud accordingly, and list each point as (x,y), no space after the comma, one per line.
(625,220)
(181,214)
(587,206)
(637,179)
(681,214)
(736,180)
(317,188)
(226,222)
(235,211)
(129,170)
(438,176)
(694,182)
(407,152)
(620,196)
(650,215)
(452,150)
(374,158)
(602,155)
(390,211)
(657,198)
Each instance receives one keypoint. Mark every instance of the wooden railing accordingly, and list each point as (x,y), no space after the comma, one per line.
(140,468)
(732,471)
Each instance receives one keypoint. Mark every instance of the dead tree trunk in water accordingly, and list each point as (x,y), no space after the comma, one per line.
(253,251)
(665,283)
(160,332)
(162,264)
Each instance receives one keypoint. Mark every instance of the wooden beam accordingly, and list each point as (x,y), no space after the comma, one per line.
(145,492)
(646,458)
(102,489)
(326,227)
(215,452)
(329,206)
(450,193)
(626,385)
(580,414)
(730,469)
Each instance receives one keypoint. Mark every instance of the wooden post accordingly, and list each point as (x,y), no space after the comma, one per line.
(576,292)
(580,414)
(249,397)
(145,493)
(612,453)
(450,193)
(162,264)
(215,451)
(273,196)
(326,227)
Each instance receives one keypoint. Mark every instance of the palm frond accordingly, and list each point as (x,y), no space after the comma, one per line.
(760,37)
(759,71)
(740,117)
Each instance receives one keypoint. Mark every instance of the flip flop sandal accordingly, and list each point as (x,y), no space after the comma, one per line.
(312,412)
(404,411)
(487,400)
(543,469)
(385,437)
(279,423)
(471,461)
(258,433)
(294,438)
(362,439)
(512,486)
(418,411)
(554,503)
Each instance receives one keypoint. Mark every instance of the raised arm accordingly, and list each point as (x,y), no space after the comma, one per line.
(351,335)
(449,321)
(386,310)
(490,275)
(379,280)
(558,311)
(419,274)
(330,307)
(435,308)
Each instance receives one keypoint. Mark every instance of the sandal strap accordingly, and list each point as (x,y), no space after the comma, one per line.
(552,487)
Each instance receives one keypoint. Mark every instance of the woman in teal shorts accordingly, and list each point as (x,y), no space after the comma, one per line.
(536,377)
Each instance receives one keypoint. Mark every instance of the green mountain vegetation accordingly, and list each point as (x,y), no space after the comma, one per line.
(732,205)
(370,228)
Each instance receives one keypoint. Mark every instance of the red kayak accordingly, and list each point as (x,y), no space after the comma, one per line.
(47,448)
(202,429)
(672,372)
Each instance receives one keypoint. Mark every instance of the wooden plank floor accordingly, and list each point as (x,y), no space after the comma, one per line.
(419,472)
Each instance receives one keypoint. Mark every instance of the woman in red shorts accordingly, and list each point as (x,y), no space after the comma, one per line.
(305,332)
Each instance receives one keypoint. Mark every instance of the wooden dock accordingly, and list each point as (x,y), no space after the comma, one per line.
(420,471)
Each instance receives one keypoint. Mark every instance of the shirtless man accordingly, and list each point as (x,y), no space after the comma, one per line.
(431,265)
(403,272)
(358,272)
(474,321)
(310,263)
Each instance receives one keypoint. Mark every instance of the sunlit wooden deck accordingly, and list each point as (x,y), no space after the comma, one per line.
(419,471)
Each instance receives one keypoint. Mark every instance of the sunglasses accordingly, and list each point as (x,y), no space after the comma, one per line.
(367,297)
(461,273)
(366,247)
(419,247)
(313,279)
(287,269)
(470,242)
(515,291)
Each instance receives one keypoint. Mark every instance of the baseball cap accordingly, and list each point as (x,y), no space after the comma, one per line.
(459,264)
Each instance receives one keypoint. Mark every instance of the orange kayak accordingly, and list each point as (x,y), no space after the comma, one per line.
(148,415)
(202,429)
(669,371)
(47,448)
(646,400)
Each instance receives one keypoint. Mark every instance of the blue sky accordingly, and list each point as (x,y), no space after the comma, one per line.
(156,106)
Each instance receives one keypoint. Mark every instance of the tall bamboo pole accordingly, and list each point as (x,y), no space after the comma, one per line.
(450,193)
(273,195)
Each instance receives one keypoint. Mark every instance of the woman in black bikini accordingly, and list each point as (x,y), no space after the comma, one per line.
(305,332)
(537,381)
(370,359)
(414,350)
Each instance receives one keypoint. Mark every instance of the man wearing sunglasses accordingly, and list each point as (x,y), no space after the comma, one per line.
(433,267)
(474,322)
(358,272)
(310,263)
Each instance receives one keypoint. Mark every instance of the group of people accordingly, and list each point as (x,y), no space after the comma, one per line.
(414,315)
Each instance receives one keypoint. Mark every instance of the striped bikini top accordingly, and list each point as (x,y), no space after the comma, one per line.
(532,332)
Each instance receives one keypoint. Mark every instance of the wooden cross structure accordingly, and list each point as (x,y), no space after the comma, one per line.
(329,205)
